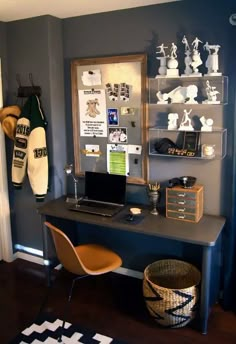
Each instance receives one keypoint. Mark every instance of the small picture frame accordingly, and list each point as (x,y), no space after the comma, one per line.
(117,135)
(113,117)
(127,110)
(191,141)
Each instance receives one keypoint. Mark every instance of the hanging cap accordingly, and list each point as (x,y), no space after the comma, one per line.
(8,118)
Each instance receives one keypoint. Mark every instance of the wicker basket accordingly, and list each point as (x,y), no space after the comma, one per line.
(170,292)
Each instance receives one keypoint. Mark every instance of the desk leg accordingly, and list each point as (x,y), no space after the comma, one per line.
(205,288)
(46,252)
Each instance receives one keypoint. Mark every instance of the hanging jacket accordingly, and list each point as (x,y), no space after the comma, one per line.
(30,150)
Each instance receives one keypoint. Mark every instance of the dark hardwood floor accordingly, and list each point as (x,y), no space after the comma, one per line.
(112,304)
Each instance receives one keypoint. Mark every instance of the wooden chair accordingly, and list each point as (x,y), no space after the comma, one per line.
(82,260)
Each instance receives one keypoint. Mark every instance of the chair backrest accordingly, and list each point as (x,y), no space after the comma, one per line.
(66,252)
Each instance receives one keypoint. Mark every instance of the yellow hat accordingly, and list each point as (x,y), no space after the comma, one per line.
(8,117)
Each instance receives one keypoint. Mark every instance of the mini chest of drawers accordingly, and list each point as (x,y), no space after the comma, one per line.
(184,204)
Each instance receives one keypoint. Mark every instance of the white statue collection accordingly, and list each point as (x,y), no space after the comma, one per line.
(186,123)
(180,94)
(211,93)
(192,59)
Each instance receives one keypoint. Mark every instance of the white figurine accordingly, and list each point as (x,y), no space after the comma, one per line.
(172,121)
(161,50)
(186,45)
(188,59)
(186,121)
(162,69)
(211,93)
(196,57)
(212,62)
(172,63)
(180,94)
(195,43)
(206,123)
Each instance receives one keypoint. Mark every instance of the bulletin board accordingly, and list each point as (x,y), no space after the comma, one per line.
(109,115)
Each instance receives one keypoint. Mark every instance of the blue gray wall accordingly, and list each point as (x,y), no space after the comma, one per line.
(45,47)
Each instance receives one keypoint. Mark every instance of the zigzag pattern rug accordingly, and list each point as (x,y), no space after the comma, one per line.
(47,329)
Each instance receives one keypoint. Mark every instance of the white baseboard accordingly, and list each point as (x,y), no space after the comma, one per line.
(39,260)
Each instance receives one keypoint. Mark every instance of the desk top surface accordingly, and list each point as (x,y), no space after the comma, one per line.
(205,232)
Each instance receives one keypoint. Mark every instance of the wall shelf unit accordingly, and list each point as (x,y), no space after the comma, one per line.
(210,143)
(217,138)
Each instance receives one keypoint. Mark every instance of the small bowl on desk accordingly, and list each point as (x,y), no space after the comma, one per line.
(187,182)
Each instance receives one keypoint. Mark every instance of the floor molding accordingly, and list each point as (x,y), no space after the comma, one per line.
(39,260)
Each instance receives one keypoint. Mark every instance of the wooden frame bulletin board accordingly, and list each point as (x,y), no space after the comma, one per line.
(109,115)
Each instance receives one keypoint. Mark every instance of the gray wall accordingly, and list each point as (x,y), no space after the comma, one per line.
(44,45)
(35,46)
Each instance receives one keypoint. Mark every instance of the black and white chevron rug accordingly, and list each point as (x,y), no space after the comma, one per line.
(47,330)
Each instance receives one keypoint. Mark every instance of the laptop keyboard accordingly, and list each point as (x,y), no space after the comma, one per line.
(98,205)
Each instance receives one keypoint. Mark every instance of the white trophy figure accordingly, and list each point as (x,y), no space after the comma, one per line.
(173,63)
(162,69)
(188,59)
(206,123)
(212,62)
(196,58)
(211,93)
(186,124)
(172,121)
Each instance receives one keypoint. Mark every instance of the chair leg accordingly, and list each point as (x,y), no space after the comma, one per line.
(67,305)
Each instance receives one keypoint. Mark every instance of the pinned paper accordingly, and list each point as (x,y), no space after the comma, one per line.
(92,150)
(117,159)
(135,149)
(92,77)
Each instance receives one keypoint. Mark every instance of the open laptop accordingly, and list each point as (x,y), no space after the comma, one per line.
(104,194)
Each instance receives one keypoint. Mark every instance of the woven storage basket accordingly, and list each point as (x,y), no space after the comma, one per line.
(170,292)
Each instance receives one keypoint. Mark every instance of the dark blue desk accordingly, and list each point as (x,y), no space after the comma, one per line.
(205,233)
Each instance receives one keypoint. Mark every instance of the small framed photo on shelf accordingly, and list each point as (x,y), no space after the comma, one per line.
(191,140)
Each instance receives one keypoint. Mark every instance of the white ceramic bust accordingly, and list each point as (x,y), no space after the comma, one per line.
(172,121)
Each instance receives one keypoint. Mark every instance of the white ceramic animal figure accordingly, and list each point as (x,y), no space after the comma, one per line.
(172,121)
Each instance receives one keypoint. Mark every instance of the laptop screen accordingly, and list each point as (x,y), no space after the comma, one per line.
(105,187)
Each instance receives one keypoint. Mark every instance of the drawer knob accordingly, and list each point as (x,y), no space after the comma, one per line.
(181,194)
(181,216)
(181,202)
(181,209)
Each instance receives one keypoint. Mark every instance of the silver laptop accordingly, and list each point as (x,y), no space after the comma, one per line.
(104,194)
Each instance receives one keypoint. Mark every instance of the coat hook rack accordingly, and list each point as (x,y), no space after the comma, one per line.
(26,91)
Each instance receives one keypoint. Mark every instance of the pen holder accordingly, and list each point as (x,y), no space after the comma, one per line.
(154,197)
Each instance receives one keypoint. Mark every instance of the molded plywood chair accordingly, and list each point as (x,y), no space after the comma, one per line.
(83,260)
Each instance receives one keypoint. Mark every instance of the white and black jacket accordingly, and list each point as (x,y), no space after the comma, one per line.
(30,149)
